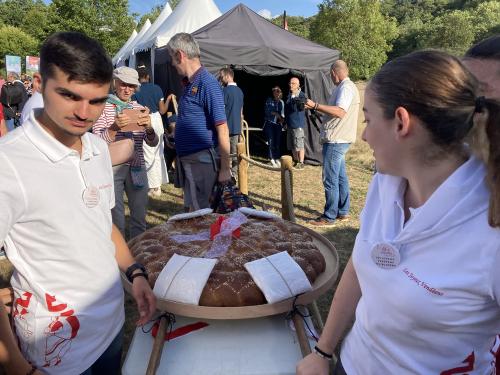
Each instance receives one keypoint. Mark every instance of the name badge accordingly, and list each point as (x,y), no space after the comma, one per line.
(91,196)
(386,256)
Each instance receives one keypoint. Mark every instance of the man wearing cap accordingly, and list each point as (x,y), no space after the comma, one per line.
(201,131)
(130,177)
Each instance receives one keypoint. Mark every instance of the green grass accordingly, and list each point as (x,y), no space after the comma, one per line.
(264,190)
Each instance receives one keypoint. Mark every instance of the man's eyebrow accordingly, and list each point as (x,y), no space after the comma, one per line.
(63,91)
(98,100)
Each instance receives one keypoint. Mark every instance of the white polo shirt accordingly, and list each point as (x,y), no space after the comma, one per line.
(438,311)
(68,296)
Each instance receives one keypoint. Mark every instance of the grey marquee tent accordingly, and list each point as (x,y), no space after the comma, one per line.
(263,55)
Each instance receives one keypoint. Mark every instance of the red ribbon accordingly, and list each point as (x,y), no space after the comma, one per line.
(181,331)
(215,228)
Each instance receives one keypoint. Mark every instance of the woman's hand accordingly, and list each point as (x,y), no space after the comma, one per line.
(313,364)
(144,119)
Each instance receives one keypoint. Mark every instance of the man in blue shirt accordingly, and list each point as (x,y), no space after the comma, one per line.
(201,132)
(233,103)
(149,95)
(295,119)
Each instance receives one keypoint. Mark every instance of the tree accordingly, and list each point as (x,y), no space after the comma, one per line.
(452,32)
(296,24)
(486,18)
(107,21)
(152,15)
(359,30)
(31,16)
(14,41)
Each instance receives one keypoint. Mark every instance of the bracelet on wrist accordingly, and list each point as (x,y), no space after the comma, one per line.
(132,268)
(316,106)
(322,354)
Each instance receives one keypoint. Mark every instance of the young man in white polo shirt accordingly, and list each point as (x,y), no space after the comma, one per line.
(55,223)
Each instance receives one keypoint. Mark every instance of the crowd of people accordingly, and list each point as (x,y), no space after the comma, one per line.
(422,285)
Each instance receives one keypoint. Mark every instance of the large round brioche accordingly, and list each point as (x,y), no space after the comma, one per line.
(229,283)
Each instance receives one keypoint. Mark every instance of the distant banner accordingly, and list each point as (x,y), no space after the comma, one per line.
(32,64)
(13,64)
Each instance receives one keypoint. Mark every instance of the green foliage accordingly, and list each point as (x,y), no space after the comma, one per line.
(359,30)
(14,41)
(152,15)
(31,16)
(296,24)
(451,25)
(105,20)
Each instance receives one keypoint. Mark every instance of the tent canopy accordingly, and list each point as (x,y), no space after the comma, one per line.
(242,37)
(127,51)
(151,32)
(188,16)
(125,46)
(254,46)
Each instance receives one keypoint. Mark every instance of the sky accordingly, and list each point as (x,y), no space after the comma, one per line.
(266,8)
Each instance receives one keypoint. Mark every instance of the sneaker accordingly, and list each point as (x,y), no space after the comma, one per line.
(278,163)
(321,222)
(273,163)
(343,217)
(154,192)
(299,165)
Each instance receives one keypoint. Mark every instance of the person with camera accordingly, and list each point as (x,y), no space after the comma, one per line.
(338,132)
(130,177)
(295,119)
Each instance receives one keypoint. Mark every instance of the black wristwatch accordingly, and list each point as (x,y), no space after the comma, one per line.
(132,268)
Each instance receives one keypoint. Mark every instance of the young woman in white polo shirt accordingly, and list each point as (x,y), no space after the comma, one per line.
(423,282)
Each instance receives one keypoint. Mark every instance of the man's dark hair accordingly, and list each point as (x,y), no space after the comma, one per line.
(143,72)
(83,59)
(488,48)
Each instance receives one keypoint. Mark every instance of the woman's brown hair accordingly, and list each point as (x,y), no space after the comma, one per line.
(436,88)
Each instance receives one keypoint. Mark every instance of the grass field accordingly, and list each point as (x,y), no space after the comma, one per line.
(264,190)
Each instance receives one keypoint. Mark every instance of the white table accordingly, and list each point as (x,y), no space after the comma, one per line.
(263,346)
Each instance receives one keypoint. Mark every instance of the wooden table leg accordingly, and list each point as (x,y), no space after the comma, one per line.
(305,348)
(154,359)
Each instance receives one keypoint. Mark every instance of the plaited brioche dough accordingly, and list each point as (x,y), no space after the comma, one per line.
(229,284)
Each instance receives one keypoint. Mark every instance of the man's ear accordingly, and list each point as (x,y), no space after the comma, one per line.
(403,122)
(37,81)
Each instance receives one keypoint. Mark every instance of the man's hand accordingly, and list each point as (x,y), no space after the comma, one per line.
(224,175)
(313,364)
(310,104)
(145,299)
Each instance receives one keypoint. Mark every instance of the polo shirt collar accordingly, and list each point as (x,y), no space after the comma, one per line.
(195,75)
(51,147)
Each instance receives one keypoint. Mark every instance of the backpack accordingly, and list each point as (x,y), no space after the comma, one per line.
(12,95)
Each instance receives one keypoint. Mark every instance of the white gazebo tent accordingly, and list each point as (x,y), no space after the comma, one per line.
(165,13)
(131,38)
(187,17)
(126,51)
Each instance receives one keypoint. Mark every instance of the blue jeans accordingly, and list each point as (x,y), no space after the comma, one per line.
(335,180)
(10,124)
(109,362)
(273,137)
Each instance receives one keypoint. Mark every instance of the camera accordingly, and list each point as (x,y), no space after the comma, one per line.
(300,102)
